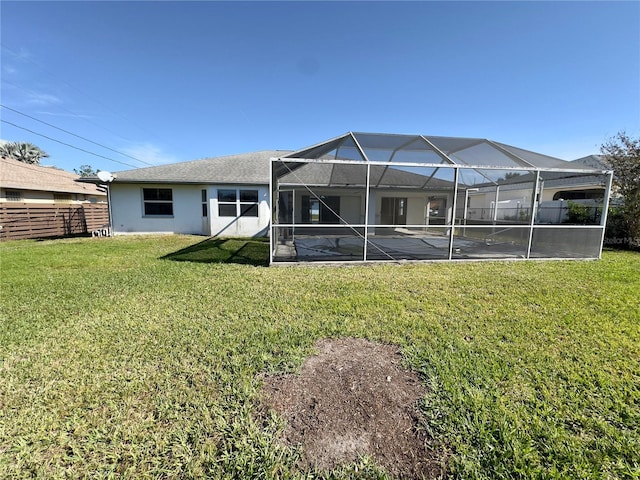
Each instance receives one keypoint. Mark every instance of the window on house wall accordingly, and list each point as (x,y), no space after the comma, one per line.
(323,209)
(13,196)
(248,203)
(62,198)
(227,203)
(237,203)
(579,195)
(205,210)
(158,201)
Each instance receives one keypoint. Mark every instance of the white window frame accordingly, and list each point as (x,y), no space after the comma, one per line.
(240,206)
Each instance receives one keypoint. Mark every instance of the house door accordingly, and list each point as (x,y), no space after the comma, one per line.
(393,211)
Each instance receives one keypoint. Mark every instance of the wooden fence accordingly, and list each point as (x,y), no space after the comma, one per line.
(33,220)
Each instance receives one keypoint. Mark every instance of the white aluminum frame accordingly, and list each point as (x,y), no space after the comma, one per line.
(536,195)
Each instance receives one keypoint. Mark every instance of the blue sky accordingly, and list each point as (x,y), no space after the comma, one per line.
(173,81)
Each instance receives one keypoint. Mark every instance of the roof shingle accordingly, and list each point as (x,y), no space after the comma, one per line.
(246,168)
(25,176)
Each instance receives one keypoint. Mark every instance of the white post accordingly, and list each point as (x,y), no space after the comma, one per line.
(534,210)
(464,214)
(453,212)
(605,211)
(293,215)
(271,208)
(495,209)
(366,214)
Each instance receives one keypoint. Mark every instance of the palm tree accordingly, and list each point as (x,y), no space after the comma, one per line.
(23,152)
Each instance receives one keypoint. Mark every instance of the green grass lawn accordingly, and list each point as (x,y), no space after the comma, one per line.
(140,358)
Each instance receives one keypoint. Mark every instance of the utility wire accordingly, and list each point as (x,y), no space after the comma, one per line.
(74,114)
(77,136)
(68,144)
(73,87)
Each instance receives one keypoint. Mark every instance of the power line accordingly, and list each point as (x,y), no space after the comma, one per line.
(68,144)
(78,136)
(69,85)
(61,107)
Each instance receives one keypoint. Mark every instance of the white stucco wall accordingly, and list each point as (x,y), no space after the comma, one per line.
(351,204)
(351,209)
(416,204)
(416,208)
(240,226)
(127,209)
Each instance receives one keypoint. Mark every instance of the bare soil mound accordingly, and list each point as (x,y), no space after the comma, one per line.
(354,399)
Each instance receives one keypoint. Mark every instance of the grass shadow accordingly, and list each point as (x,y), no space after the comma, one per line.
(243,251)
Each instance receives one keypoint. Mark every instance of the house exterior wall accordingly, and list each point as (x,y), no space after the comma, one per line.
(127,209)
(127,206)
(416,210)
(239,226)
(47,197)
(479,205)
(352,204)
(416,204)
(352,209)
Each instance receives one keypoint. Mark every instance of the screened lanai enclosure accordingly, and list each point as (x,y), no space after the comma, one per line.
(384,197)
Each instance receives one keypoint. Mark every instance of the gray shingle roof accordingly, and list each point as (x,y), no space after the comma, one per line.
(245,168)
(590,161)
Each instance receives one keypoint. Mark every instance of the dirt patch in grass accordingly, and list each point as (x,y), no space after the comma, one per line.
(354,399)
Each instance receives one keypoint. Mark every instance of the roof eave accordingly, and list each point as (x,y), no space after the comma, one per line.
(186,182)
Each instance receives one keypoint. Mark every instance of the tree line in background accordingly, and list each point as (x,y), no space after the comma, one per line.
(621,153)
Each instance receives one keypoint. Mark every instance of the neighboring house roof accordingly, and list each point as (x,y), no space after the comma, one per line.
(23,176)
(590,161)
(245,168)
(536,159)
